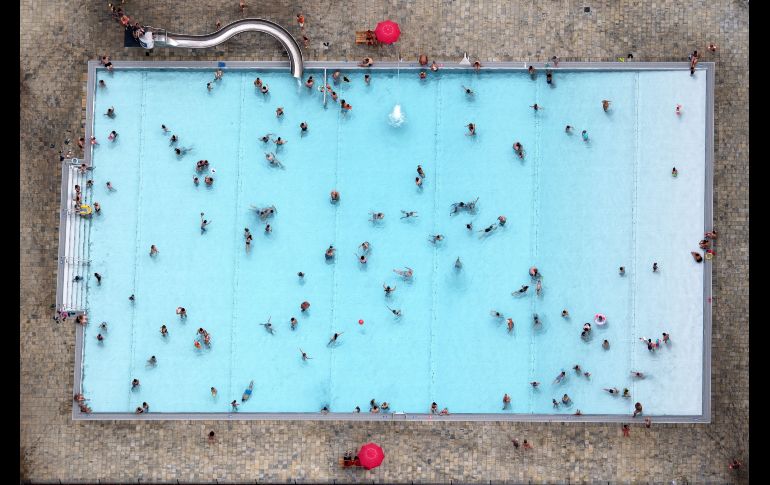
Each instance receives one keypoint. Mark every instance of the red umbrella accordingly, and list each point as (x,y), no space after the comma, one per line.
(370,456)
(387,32)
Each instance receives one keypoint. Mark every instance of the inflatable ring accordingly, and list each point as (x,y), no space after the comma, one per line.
(75,160)
(85,210)
(600,319)
(709,256)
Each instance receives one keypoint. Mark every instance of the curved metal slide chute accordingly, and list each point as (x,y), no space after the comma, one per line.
(161,38)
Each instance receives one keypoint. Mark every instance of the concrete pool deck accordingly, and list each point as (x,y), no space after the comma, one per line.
(54,447)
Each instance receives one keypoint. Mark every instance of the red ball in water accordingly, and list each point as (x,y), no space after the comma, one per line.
(360,322)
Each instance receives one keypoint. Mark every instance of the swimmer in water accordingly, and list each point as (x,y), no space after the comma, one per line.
(496,314)
(204,223)
(304,306)
(304,355)
(536,107)
(279,112)
(637,374)
(213,391)
(367,78)
(521,290)
(376,216)
(471,129)
(458,263)
(280,141)
(435,238)
(334,196)
(364,246)
(488,229)
(268,325)
(293,322)
(181,151)
(606,344)
(510,324)
(309,83)
(568,129)
(173,140)
(565,313)
(404,273)
(334,338)
(420,171)
(303,127)
(585,135)
(613,391)
(110,112)
(396,312)
(468,91)
(539,287)
(560,377)
(555,403)
(330,252)
(469,226)
(388,289)
(605,105)
(361,259)
(535,319)
(622,271)
(163,330)
(274,162)
(266,138)
(534,384)
(408,214)
(418,182)
(265,89)
(531,71)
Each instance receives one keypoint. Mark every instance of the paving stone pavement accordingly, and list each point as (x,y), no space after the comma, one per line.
(56,41)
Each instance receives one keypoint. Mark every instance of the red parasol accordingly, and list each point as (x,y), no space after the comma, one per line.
(370,456)
(387,32)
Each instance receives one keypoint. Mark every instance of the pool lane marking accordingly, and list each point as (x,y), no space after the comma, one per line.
(137,242)
(334,264)
(236,255)
(634,214)
(434,279)
(533,249)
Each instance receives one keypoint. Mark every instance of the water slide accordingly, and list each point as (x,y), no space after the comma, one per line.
(159,37)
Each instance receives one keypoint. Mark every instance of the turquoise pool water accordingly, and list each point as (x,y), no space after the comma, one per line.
(576,210)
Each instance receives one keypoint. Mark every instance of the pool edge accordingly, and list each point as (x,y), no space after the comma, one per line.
(703,418)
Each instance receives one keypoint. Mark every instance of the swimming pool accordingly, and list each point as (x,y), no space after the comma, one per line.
(575,209)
